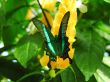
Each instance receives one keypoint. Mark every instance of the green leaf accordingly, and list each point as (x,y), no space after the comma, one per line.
(56,79)
(92,79)
(0,33)
(103,34)
(102,26)
(12,5)
(11,34)
(89,52)
(12,14)
(103,74)
(29,46)
(98,10)
(11,70)
(103,30)
(79,75)
(108,1)
(106,61)
(68,75)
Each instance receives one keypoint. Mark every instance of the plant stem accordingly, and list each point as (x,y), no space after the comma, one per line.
(59,72)
(27,75)
(80,16)
(73,72)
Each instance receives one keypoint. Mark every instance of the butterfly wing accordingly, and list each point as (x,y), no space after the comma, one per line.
(62,40)
(47,35)
(62,35)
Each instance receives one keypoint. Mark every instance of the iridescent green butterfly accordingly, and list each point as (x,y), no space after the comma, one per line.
(58,45)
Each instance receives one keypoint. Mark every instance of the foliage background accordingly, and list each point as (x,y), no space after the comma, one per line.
(20,44)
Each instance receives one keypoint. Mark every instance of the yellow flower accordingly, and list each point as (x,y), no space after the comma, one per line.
(29,14)
(48,4)
(65,6)
(60,63)
(44,60)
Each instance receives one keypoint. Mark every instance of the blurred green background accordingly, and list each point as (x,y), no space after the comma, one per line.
(20,43)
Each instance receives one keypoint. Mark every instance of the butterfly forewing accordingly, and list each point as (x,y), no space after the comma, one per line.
(62,34)
(47,35)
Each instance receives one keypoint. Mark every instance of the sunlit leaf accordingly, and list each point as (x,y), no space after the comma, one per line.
(103,74)
(11,34)
(89,51)
(29,46)
(108,1)
(106,61)
(103,30)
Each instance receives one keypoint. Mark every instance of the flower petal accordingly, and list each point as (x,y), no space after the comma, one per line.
(44,60)
(60,63)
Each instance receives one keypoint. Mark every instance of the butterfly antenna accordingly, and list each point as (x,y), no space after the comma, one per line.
(44,15)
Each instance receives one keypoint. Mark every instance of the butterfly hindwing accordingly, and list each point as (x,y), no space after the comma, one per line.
(47,35)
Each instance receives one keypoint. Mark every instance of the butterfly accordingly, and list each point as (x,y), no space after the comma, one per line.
(55,45)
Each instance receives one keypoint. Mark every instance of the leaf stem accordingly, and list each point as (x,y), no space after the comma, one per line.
(59,72)
(80,16)
(73,72)
(28,75)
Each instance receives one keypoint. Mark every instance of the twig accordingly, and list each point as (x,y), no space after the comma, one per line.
(27,75)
